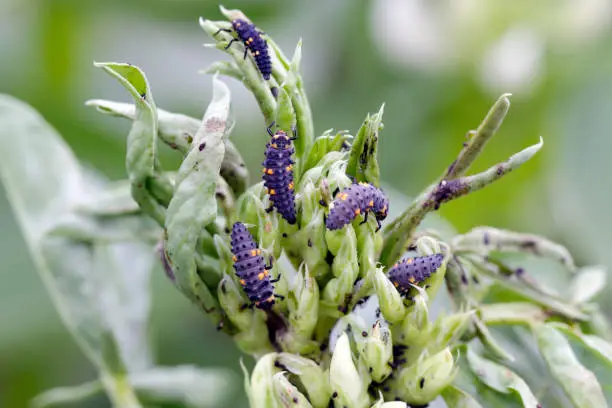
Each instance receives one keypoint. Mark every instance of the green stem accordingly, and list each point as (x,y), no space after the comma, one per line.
(400,232)
(478,138)
(120,391)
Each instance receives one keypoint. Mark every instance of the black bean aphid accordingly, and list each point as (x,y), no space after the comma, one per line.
(358,198)
(251,269)
(278,174)
(413,270)
(251,37)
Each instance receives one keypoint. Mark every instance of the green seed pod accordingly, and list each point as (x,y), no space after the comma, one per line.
(287,394)
(423,381)
(349,388)
(260,387)
(376,350)
(389,299)
(312,376)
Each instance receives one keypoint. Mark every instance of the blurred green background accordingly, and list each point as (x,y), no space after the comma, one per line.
(438,66)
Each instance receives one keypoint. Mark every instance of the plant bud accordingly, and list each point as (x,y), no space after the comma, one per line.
(260,387)
(303,306)
(287,394)
(346,383)
(389,299)
(423,381)
(447,330)
(313,377)
(376,349)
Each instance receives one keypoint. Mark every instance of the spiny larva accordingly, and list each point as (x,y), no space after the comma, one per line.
(358,198)
(250,36)
(413,270)
(251,268)
(278,174)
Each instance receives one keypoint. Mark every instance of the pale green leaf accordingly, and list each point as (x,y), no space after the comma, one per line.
(580,384)
(501,379)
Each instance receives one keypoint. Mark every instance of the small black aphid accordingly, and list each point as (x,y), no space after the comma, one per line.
(413,270)
(278,174)
(251,269)
(358,198)
(250,36)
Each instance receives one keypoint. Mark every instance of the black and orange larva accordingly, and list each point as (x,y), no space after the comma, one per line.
(358,198)
(251,268)
(251,37)
(412,271)
(278,174)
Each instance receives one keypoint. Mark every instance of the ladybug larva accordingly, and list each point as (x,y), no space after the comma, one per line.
(250,36)
(357,199)
(251,268)
(278,174)
(411,271)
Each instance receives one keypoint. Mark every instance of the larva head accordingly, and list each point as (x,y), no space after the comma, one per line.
(281,141)
(381,205)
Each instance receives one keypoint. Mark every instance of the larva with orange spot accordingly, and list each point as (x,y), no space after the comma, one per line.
(251,269)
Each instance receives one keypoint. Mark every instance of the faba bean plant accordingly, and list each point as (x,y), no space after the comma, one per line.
(355,314)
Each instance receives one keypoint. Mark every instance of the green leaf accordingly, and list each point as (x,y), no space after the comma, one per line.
(141,142)
(194,206)
(580,384)
(587,284)
(177,131)
(63,396)
(501,379)
(363,163)
(99,288)
(457,398)
(186,385)
(189,386)
(597,345)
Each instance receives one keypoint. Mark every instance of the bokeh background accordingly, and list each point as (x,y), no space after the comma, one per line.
(438,66)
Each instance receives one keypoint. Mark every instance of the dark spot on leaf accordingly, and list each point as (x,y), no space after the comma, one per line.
(422,383)
(486,238)
(310,243)
(284,235)
(335,394)
(364,333)
(202,146)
